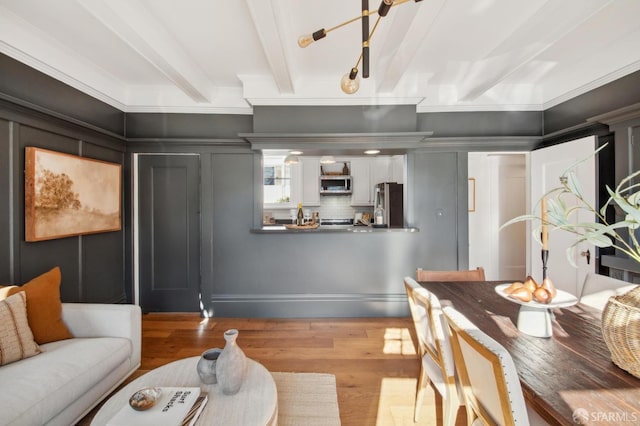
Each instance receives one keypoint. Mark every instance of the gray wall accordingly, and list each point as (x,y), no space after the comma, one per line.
(245,273)
(319,274)
(92,265)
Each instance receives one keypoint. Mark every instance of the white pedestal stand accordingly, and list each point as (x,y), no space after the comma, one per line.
(535,321)
(535,318)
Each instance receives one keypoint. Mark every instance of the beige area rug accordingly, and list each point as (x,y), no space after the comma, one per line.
(307,399)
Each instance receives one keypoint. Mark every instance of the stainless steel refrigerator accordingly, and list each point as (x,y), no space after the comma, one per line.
(390,197)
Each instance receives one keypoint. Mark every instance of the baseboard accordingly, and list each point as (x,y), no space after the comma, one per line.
(306,305)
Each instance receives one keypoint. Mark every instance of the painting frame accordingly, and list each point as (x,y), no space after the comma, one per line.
(68,195)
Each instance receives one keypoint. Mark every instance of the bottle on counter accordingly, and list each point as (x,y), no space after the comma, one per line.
(378,216)
(378,213)
(300,216)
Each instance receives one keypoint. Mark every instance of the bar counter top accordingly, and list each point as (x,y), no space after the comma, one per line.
(328,229)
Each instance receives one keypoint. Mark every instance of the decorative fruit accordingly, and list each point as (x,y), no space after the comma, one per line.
(522,293)
(542,295)
(548,285)
(530,284)
(513,286)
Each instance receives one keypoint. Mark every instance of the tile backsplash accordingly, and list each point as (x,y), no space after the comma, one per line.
(331,207)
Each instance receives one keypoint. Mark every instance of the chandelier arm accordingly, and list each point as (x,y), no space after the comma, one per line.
(365,39)
(344,23)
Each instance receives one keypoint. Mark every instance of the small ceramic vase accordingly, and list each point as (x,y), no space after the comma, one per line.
(231,367)
(207,366)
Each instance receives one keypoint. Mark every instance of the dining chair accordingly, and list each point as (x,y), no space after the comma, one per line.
(436,358)
(488,376)
(597,289)
(470,275)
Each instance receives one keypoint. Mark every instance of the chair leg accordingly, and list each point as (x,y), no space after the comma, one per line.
(423,382)
(471,415)
(450,409)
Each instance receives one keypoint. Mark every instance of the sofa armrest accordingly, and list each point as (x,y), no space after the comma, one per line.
(106,320)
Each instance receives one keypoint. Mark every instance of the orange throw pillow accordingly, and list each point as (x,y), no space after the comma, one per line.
(44,308)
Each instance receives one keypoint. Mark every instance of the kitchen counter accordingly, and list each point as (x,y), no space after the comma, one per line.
(327,229)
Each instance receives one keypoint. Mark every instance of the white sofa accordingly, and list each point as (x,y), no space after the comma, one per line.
(70,377)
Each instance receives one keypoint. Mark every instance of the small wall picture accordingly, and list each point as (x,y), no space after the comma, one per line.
(67,195)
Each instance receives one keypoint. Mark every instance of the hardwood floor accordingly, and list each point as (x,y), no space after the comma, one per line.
(374,359)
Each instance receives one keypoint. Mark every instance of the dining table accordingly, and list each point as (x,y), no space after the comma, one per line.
(567,378)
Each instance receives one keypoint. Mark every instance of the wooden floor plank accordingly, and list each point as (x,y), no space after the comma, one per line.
(374,359)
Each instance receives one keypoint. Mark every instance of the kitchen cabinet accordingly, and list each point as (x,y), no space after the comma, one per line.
(396,169)
(379,170)
(367,172)
(361,186)
(310,176)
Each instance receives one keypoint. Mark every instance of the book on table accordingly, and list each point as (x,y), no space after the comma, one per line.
(176,406)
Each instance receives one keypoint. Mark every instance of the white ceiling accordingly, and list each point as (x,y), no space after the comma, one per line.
(227,56)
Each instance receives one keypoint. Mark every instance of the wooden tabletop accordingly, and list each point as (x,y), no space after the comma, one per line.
(567,375)
(255,404)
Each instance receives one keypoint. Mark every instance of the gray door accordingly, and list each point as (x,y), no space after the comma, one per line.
(169,238)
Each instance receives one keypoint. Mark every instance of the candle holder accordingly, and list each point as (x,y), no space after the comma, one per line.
(545,257)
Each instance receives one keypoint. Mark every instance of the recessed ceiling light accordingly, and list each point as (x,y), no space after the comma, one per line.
(295,152)
(372,151)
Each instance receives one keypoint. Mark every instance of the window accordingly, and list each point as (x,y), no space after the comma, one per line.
(276,180)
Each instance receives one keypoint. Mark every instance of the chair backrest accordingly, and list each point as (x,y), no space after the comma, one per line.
(470,275)
(431,327)
(490,382)
(419,315)
(597,289)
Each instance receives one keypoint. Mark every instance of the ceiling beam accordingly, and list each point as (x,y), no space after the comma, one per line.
(553,21)
(136,26)
(268,19)
(408,31)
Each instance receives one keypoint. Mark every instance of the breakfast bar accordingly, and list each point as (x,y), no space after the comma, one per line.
(281,229)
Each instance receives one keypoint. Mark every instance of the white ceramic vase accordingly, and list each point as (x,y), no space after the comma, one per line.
(207,366)
(231,367)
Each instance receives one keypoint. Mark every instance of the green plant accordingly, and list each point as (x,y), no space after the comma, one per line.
(564,201)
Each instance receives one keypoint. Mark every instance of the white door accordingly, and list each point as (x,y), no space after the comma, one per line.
(545,169)
(497,186)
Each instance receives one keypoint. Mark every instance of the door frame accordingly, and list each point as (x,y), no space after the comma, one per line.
(491,247)
(135,169)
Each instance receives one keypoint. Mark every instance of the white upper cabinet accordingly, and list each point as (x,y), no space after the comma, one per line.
(379,170)
(396,169)
(361,182)
(310,181)
(367,172)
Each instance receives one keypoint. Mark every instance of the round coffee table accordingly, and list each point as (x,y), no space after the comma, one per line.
(255,404)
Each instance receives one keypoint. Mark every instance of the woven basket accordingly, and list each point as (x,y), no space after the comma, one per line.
(621,330)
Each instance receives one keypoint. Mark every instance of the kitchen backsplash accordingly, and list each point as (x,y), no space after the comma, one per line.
(332,207)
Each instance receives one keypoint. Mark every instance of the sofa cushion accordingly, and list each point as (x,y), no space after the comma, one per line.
(37,389)
(44,308)
(16,339)
(5,289)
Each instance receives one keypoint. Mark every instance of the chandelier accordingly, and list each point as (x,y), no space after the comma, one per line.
(350,83)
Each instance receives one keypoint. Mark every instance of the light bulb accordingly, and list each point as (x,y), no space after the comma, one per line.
(327,159)
(350,83)
(291,159)
(305,40)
